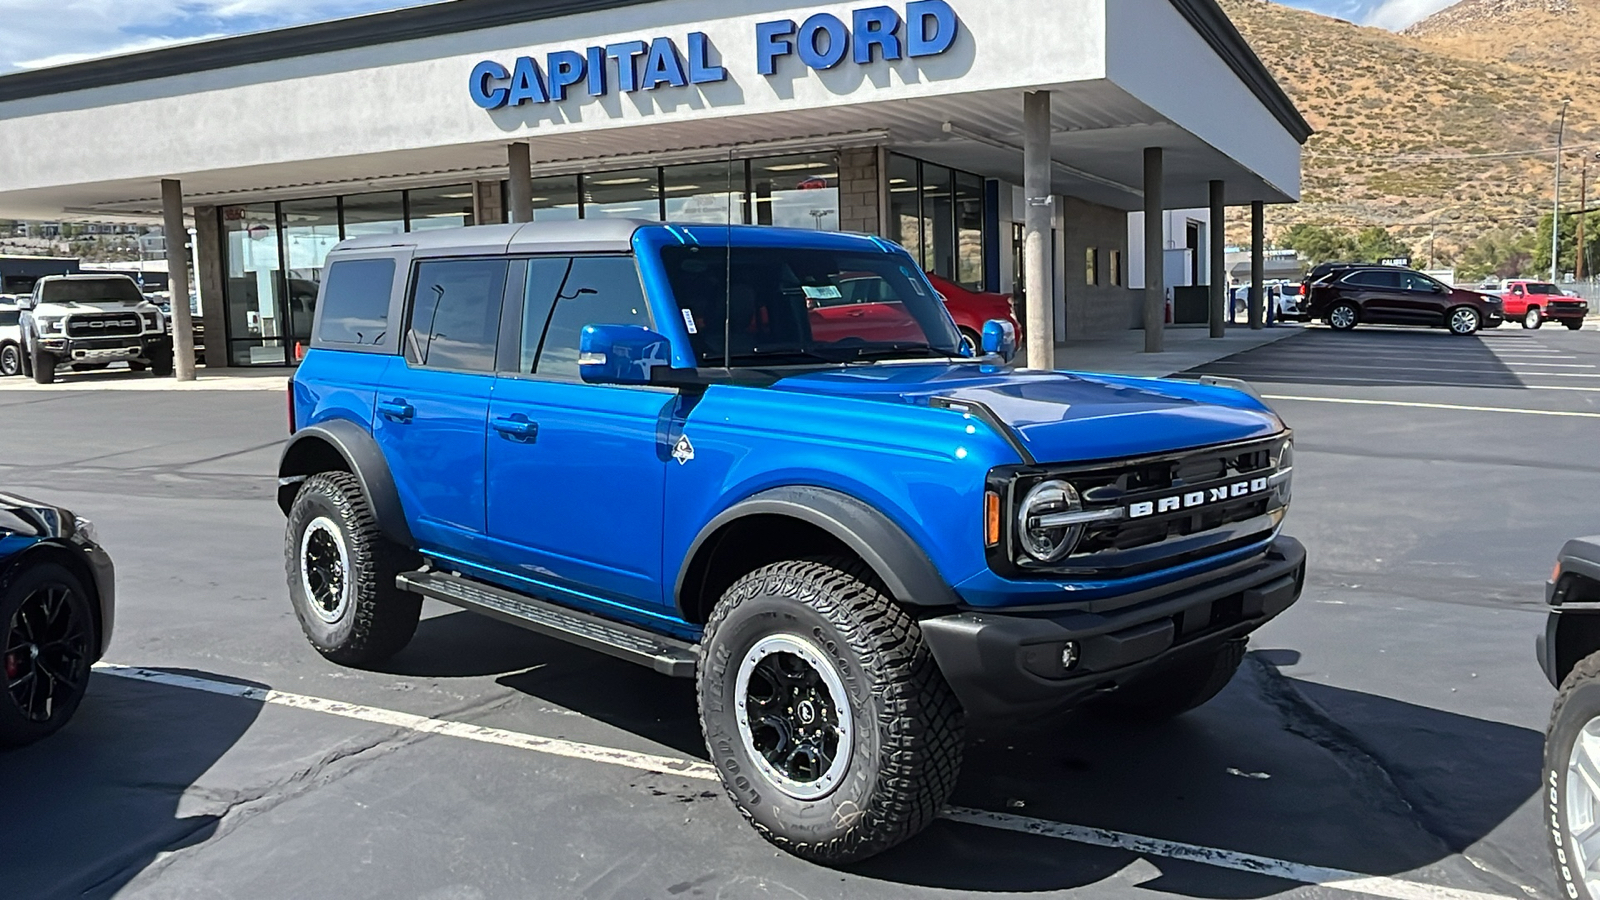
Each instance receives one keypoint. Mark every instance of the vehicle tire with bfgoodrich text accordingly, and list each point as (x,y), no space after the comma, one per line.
(1570,786)
(1343,317)
(10,360)
(1463,320)
(49,640)
(342,573)
(824,712)
(1176,689)
(44,367)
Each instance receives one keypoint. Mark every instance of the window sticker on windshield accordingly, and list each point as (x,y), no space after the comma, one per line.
(688,322)
(826,292)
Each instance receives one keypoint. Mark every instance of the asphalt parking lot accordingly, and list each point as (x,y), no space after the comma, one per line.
(1382,740)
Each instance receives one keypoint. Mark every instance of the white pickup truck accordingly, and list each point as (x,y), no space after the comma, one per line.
(87,322)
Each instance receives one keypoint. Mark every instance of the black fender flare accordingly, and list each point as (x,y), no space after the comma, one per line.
(905,569)
(304,456)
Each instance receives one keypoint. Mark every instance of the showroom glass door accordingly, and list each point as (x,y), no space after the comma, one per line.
(256,317)
(310,230)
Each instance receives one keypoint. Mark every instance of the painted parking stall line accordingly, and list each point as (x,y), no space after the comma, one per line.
(1353,882)
(1411,404)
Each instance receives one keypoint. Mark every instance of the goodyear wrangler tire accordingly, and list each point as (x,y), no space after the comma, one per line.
(832,728)
(342,571)
(1177,689)
(1571,784)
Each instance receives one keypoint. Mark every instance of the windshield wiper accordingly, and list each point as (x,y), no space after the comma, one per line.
(896,351)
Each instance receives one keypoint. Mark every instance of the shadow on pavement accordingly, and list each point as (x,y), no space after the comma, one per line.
(1373,356)
(87,809)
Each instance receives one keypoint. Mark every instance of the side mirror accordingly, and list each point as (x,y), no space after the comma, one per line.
(621,354)
(1000,336)
(25,301)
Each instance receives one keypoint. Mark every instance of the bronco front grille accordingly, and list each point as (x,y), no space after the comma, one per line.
(97,326)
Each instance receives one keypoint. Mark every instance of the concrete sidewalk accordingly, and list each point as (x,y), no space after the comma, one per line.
(120,379)
(1186,347)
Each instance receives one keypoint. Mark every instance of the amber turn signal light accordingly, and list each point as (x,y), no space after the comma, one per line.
(991,519)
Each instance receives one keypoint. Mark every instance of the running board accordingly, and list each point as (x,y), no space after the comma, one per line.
(666,655)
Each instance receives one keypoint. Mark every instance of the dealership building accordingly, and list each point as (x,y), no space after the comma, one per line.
(1004,143)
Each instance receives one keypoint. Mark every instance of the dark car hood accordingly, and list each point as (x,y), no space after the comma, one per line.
(29,518)
(1064,416)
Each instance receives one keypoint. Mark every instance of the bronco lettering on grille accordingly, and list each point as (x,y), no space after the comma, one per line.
(1194,499)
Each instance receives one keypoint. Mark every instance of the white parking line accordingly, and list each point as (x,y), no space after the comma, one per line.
(1354,882)
(1452,406)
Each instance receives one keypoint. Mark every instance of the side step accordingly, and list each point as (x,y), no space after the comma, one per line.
(666,655)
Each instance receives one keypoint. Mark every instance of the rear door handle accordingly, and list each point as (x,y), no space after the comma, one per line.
(397,410)
(517,428)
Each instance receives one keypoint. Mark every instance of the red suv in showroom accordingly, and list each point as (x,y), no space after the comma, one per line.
(861,309)
(1345,296)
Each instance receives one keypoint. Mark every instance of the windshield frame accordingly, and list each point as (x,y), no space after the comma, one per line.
(133,297)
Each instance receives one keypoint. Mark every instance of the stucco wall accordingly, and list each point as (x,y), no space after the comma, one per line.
(858,190)
(1094,310)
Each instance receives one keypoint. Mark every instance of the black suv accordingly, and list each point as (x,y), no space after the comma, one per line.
(1345,295)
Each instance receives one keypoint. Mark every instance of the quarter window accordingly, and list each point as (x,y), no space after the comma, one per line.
(356,302)
(455,314)
(564,295)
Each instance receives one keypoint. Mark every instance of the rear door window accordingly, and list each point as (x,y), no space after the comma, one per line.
(455,314)
(356,302)
(1372,279)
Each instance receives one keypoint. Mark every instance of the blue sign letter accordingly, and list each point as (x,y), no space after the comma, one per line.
(527,84)
(945,26)
(772,41)
(876,26)
(663,66)
(701,71)
(566,69)
(595,58)
(838,41)
(482,94)
(625,53)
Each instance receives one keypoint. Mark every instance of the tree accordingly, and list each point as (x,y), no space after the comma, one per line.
(1506,252)
(1376,244)
(1318,243)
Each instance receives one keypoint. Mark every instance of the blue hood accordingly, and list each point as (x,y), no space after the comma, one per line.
(1065,416)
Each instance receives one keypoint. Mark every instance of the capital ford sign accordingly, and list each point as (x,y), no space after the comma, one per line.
(822,41)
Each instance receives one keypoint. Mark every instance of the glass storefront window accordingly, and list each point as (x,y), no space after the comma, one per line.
(969,231)
(441,207)
(938,207)
(380,213)
(628,194)
(797,191)
(310,230)
(710,192)
(256,326)
(555,198)
(905,204)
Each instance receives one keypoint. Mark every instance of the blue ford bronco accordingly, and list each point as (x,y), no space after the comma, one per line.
(764,459)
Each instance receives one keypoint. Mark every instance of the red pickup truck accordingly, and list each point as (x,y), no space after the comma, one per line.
(1534,303)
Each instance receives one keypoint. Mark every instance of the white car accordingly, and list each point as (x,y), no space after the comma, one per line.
(10,337)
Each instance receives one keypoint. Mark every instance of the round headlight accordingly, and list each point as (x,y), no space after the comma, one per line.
(1039,539)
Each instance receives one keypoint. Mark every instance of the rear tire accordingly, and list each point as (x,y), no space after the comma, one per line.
(1343,317)
(1463,321)
(826,716)
(44,608)
(1178,689)
(341,573)
(10,360)
(1531,320)
(44,367)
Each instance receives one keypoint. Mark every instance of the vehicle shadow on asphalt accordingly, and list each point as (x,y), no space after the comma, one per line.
(89,808)
(1373,357)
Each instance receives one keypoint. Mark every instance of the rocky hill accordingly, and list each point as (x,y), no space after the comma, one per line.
(1558,34)
(1412,131)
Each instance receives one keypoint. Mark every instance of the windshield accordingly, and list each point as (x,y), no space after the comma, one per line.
(777,306)
(91,290)
(1537,288)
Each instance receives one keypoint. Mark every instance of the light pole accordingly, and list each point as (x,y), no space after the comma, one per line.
(1555,217)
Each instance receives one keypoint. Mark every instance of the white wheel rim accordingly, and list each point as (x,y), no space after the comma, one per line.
(1583,805)
(796,646)
(1344,317)
(327,605)
(1532,318)
(1465,321)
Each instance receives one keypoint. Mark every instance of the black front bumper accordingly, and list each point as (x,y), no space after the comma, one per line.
(1007,665)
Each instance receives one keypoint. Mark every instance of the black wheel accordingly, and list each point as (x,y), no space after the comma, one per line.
(1177,689)
(48,644)
(10,360)
(1343,317)
(825,714)
(161,363)
(135,365)
(1571,788)
(341,574)
(44,367)
(1574,324)
(1463,320)
(1532,320)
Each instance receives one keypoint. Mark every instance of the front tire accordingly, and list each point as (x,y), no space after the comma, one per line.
(1463,321)
(44,367)
(825,714)
(1532,320)
(1574,324)
(161,363)
(10,360)
(1178,689)
(46,646)
(341,573)
(1343,317)
(1571,784)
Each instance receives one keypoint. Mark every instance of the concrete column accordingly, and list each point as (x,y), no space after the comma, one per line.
(1258,263)
(487,203)
(1041,320)
(177,235)
(1219,261)
(1155,259)
(210,279)
(520,202)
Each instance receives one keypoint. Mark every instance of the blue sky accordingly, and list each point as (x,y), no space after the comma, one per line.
(51,32)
